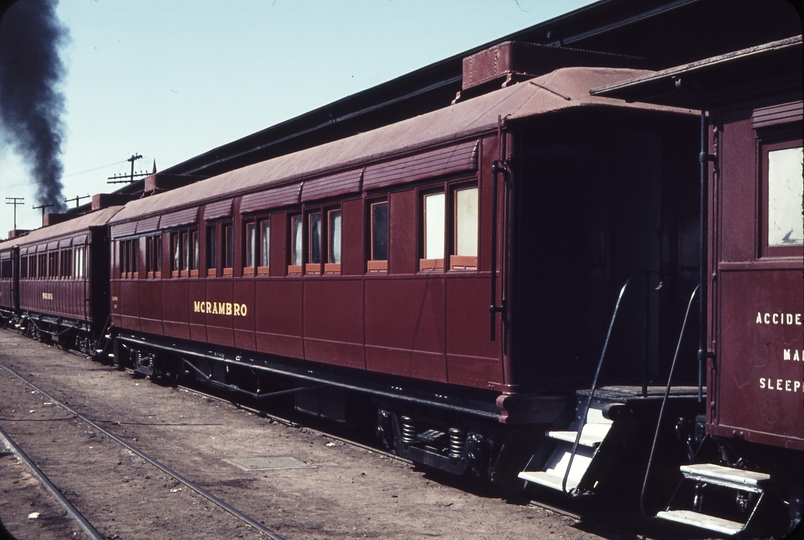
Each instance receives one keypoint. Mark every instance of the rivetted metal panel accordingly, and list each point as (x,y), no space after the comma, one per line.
(148,224)
(273,198)
(182,217)
(80,239)
(65,243)
(335,184)
(218,209)
(124,229)
(449,160)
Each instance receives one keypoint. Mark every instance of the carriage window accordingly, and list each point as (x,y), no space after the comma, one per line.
(79,261)
(53,264)
(433,210)
(378,256)
(5,269)
(296,245)
(334,220)
(185,253)
(153,256)
(251,248)
(212,250)
(175,248)
(228,249)
(265,247)
(314,244)
(465,230)
(23,267)
(66,259)
(128,258)
(785,197)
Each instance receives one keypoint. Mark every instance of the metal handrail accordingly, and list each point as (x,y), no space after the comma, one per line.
(573,492)
(664,401)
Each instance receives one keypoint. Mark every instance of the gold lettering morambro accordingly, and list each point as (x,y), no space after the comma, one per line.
(220,308)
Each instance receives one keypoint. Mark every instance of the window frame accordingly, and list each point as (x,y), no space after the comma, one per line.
(228,248)
(332,267)
(263,251)
(431,264)
(780,140)
(373,264)
(295,236)
(456,261)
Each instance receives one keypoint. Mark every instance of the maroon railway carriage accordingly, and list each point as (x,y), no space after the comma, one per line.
(57,280)
(754,332)
(369,264)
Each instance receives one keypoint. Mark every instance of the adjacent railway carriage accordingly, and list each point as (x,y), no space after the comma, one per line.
(54,283)
(753,338)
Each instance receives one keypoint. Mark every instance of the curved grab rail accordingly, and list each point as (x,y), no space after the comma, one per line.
(664,401)
(573,492)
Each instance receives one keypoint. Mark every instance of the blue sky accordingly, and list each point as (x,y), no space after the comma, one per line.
(170,79)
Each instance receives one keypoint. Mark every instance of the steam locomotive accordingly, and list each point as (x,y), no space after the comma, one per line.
(580,275)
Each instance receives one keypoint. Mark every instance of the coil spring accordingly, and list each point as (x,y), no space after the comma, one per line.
(457,441)
(408,430)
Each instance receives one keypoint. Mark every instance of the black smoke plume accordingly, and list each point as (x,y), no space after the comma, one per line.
(31,105)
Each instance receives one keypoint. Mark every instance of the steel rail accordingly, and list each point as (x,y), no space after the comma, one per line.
(50,487)
(199,490)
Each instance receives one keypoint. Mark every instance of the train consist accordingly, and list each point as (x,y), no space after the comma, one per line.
(501,285)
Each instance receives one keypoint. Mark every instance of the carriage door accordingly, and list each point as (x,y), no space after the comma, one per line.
(758,386)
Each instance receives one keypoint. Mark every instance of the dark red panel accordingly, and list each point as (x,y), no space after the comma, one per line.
(130,304)
(333,314)
(335,353)
(333,309)
(151,306)
(738,202)
(473,371)
(244,323)
(407,363)
(220,318)
(403,257)
(175,307)
(406,314)
(353,256)
(279,244)
(197,319)
(278,316)
(468,317)
(761,357)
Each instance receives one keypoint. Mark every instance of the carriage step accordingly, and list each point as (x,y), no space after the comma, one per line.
(725,476)
(702,521)
(549,480)
(591,435)
(556,467)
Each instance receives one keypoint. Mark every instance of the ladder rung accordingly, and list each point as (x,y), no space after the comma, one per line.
(703,521)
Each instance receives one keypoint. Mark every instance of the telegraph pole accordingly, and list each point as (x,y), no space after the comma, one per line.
(43,210)
(77,198)
(128,178)
(16,201)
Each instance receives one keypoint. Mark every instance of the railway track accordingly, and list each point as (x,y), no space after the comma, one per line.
(84,523)
(78,384)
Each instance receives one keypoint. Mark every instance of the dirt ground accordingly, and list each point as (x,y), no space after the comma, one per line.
(323,488)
